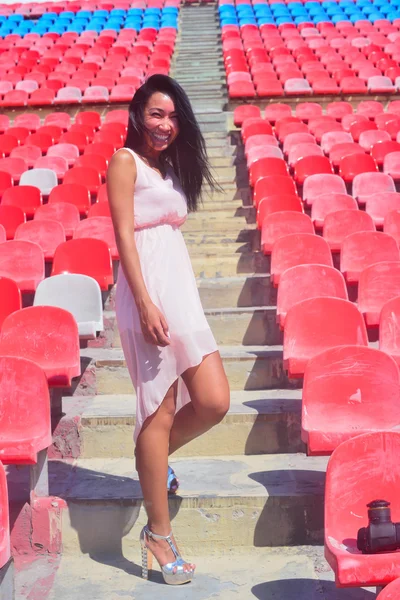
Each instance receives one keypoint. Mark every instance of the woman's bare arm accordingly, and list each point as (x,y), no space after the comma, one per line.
(121,178)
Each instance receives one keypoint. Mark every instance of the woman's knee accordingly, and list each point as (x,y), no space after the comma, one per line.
(215,408)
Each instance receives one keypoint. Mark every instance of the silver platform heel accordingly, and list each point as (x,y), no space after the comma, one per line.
(177,578)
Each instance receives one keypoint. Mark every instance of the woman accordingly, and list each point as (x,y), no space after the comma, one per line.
(176,369)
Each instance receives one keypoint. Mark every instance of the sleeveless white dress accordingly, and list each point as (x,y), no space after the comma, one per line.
(159,209)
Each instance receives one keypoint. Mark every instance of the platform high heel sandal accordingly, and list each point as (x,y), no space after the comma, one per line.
(178,577)
(172,482)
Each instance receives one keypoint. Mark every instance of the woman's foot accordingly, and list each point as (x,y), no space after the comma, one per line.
(164,554)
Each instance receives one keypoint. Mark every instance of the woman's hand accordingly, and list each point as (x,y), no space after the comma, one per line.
(154,326)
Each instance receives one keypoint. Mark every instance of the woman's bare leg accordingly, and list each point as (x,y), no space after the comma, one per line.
(210,397)
(152,466)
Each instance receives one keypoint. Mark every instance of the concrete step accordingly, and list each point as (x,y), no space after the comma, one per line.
(253,326)
(104,370)
(217,265)
(258,422)
(217,225)
(244,291)
(224,502)
(260,573)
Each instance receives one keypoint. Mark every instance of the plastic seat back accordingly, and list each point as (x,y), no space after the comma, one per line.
(10,298)
(369,465)
(23,262)
(366,184)
(391,165)
(49,337)
(10,218)
(100,228)
(308,281)
(44,179)
(389,330)
(25,424)
(27,197)
(298,249)
(281,223)
(301,151)
(322,183)
(339,224)
(46,234)
(341,388)
(80,295)
(265,167)
(273,185)
(277,203)
(354,164)
(378,284)
(245,111)
(85,176)
(328,203)
(255,126)
(73,193)
(391,591)
(364,248)
(90,257)
(380,204)
(316,324)
(331,138)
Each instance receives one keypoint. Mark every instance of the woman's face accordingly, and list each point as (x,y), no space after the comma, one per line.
(160,121)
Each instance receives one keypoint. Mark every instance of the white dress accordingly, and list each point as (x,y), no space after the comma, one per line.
(159,209)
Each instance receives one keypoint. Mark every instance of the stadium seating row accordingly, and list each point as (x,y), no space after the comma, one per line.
(35,10)
(86,68)
(270,60)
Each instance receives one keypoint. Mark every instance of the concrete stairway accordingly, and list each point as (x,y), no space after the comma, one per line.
(250,509)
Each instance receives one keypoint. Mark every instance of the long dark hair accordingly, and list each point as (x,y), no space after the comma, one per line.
(187,154)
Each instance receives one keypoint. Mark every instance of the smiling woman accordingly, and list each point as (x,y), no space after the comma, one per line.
(173,360)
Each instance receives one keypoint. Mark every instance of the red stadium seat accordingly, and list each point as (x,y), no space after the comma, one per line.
(322,183)
(255,126)
(301,151)
(7,143)
(391,165)
(364,248)
(58,164)
(370,137)
(282,223)
(101,149)
(10,218)
(256,153)
(370,108)
(265,167)
(391,591)
(23,262)
(26,197)
(294,139)
(243,112)
(325,204)
(311,165)
(277,203)
(308,110)
(381,149)
(391,224)
(73,193)
(88,177)
(10,298)
(41,140)
(46,234)
(366,184)
(331,138)
(275,111)
(338,225)
(389,331)
(102,193)
(378,284)
(29,154)
(46,335)
(354,164)
(374,458)
(75,138)
(317,324)
(64,213)
(42,96)
(100,228)
(272,186)
(337,110)
(15,98)
(339,151)
(93,161)
(298,249)
(379,205)
(60,119)
(307,281)
(6,181)
(99,209)
(87,257)
(69,152)
(25,421)
(356,129)
(341,388)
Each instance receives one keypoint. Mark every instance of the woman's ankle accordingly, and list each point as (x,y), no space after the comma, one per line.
(157,528)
